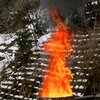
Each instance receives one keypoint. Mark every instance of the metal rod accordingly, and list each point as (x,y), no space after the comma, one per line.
(89,97)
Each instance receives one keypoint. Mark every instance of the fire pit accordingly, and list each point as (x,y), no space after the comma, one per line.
(90,97)
(64,98)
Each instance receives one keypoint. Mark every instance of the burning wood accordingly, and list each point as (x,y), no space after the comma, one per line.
(56,82)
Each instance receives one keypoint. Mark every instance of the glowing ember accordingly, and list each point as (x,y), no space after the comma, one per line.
(56,82)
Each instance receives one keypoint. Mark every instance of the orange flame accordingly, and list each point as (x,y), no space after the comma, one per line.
(56,82)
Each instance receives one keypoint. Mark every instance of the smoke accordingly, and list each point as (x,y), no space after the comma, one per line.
(65,7)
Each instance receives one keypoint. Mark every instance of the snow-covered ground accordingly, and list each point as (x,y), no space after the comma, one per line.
(6,56)
(6,39)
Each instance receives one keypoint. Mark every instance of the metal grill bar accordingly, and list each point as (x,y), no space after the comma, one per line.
(90,97)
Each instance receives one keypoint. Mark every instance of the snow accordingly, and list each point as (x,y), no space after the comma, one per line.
(6,39)
(2,38)
(44,38)
(95,2)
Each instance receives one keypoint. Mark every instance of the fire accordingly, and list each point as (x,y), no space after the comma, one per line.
(56,82)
